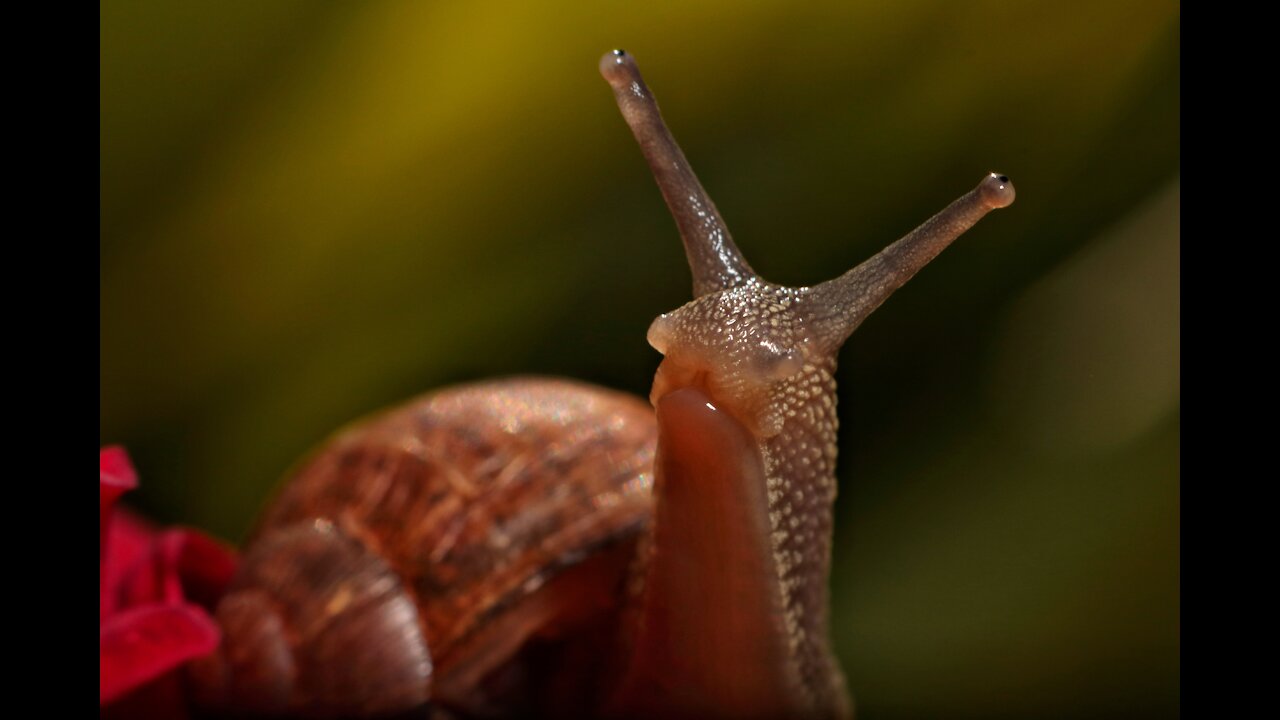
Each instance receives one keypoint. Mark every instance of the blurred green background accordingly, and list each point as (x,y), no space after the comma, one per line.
(314,210)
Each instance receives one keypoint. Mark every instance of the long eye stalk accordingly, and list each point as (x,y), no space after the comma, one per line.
(716,262)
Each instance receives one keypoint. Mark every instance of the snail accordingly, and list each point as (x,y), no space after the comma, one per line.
(535,546)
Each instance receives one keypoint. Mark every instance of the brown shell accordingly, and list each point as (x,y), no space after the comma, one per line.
(480,497)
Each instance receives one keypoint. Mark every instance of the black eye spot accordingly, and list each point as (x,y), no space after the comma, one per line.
(619,52)
(1003,178)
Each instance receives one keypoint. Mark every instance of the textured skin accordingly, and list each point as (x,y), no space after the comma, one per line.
(753,350)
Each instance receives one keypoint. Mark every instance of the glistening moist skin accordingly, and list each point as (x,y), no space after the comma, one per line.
(763,357)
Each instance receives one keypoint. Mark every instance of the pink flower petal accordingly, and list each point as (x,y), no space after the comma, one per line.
(139,645)
(181,566)
(113,463)
(129,541)
(115,476)
(204,565)
(146,626)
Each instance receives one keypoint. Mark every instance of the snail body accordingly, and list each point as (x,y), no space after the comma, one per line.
(539,546)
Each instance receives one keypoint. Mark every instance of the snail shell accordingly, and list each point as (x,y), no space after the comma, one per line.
(420,550)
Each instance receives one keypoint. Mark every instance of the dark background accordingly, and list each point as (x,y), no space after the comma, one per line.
(311,211)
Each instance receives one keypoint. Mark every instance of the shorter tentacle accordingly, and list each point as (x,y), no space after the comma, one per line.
(840,305)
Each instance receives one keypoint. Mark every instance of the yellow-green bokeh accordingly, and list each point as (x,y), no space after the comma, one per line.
(314,210)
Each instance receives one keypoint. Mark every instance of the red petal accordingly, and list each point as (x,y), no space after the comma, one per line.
(113,463)
(141,644)
(129,541)
(115,476)
(183,565)
(204,565)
